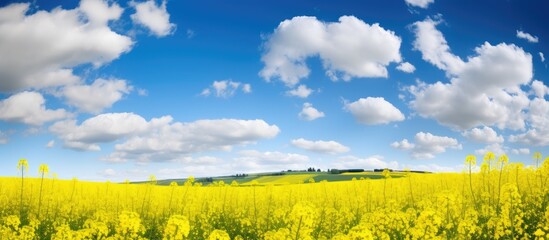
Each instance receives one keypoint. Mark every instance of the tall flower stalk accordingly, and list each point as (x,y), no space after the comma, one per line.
(503,160)
(471,160)
(42,170)
(22,165)
(489,157)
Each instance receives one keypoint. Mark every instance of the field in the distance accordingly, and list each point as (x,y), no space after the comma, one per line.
(284,178)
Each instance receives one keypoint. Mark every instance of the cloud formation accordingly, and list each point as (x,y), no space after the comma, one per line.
(29,108)
(419,3)
(226,88)
(159,139)
(484,90)
(427,145)
(326,147)
(154,17)
(301,91)
(374,111)
(94,98)
(406,67)
(527,36)
(485,135)
(349,48)
(39,50)
(309,113)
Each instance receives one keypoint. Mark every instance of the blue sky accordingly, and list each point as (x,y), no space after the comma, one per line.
(119,90)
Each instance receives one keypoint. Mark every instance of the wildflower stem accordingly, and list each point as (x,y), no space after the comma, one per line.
(40,195)
(471,183)
(21,199)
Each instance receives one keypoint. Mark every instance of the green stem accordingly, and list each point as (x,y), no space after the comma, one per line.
(21,200)
(40,195)
(471,184)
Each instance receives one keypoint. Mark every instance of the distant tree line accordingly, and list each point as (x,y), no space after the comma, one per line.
(338,171)
(310,169)
(241,175)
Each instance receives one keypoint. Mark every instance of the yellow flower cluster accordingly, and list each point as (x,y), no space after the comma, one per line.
(501,201)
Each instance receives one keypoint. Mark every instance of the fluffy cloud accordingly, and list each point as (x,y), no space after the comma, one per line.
(527,36)
(348,48)
(372,162)
(329,147)
(102,128)
(539,88)
(496,148)
(419,3)
(309,113)
(433,46)
(521,151)
(406,67)
(483,135)
(427,145)
(485,90)
(247,88)
(538,116)
(541,57)
(38,50)
(226,88)
(154,17)
(99,95)
(50,144)
(29,108)
(159,139)
(372,111)
(301,91)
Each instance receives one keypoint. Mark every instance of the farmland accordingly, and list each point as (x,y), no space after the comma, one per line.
(503,200)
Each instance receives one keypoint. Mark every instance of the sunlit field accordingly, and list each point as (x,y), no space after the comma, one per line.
(502,200)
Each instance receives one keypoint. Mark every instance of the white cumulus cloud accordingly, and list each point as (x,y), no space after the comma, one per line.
(485,90)
(29,108)
(527,36)
(102,128)
(538,116)
(521,151)
(348,48)
(485,135)
(327,147)
(427,145)
(434,47)
(496,148)
(159,139)
(406,67)
(419,3)
(101,94)
(39,49)
(154,17)
(374,110)
(539,88)
(301,91)
(309,113)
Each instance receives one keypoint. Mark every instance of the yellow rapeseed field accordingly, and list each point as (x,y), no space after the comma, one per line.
(501,201)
